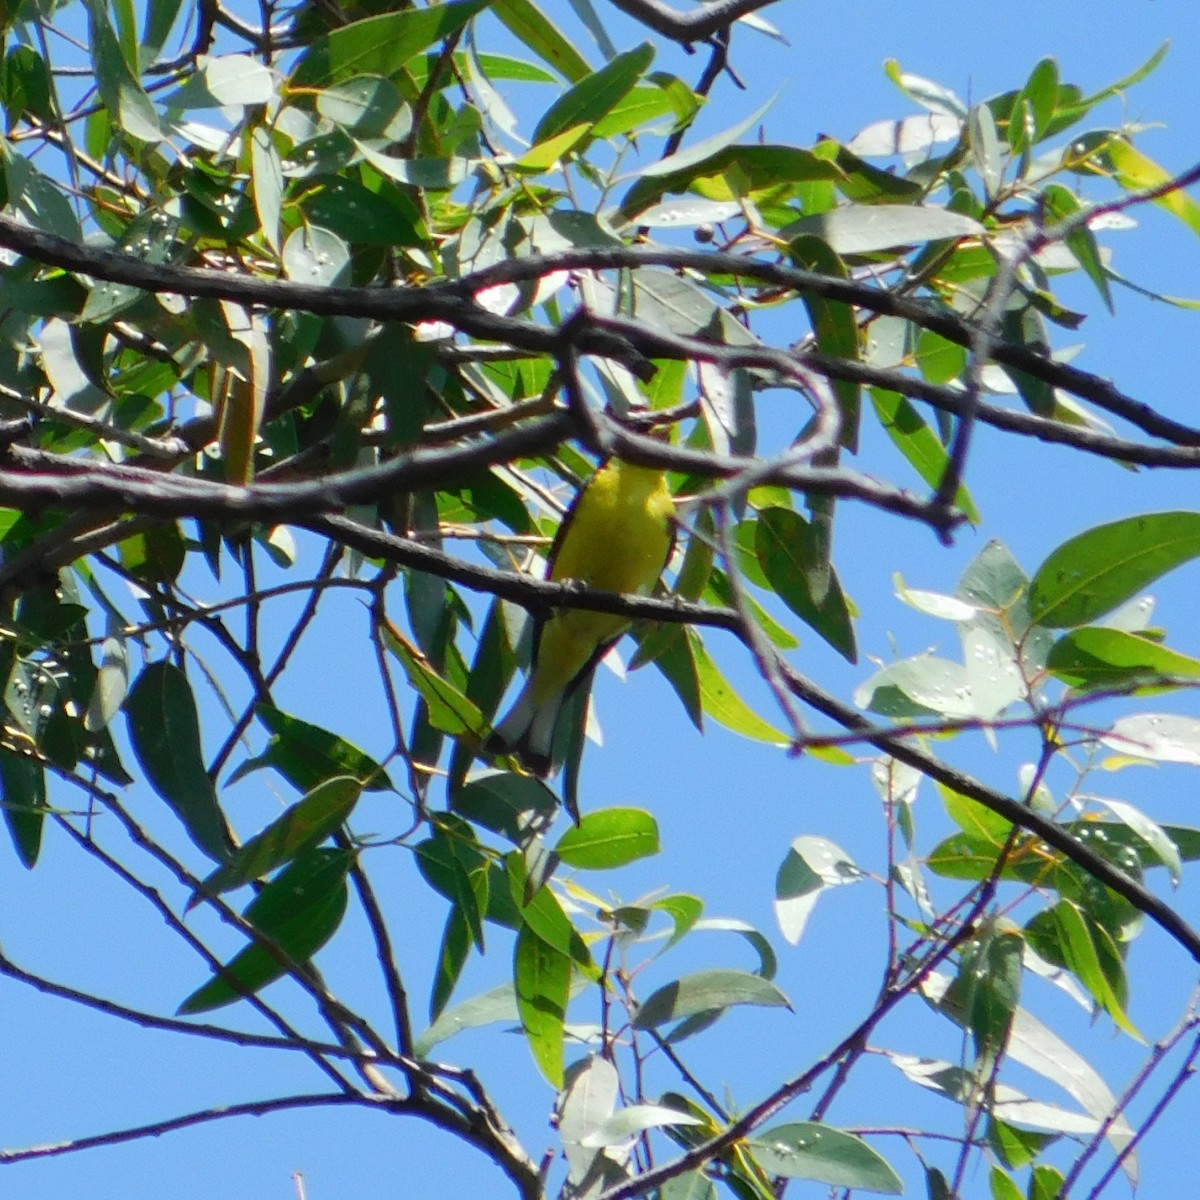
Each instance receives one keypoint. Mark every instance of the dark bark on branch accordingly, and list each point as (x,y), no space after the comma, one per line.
(453,303)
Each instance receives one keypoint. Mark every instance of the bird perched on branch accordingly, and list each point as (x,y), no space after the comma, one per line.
(617,537)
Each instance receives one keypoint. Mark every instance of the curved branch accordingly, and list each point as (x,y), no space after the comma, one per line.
(695,26)
(453,303)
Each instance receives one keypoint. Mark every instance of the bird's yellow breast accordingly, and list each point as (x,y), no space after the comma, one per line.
(620,532)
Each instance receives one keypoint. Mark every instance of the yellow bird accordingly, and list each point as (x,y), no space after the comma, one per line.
(617,537)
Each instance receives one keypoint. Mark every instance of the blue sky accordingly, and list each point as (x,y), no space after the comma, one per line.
(728,809)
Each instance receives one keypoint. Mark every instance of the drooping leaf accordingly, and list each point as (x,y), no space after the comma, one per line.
(23,800)
(542,981)
(789,553)
(299,911)
(723,704)
(164,730)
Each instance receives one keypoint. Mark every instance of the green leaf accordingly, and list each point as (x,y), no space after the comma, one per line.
(314,255)
(381,45)
(974,819)
(1033,108)
(23,799)
(609,838)
(707,992)
(531,26)
(672,654)
(808,1150)
(1095,657)
(1063,934)
(1149,831)
(789,553)
(702,151)
(642,105)
(307,822)
(156,554)
(299,910)
(1002,1187)
(1046,1183)
(1016,1147)
(692,1185)
(160,17)
(596,95)
(543,914)
(918,443)
(452,957)
(367,106)
(684,911)
(929,95)
(498,1004)
(26,83)
(267,175)
(987,988)
(449,710)
(634,1119)
(307,755)
(589,1096)
(542,981)
(724,705)
(1157,737)
(38,199)
(1093,572)
(165,733)
(452,863)
(834,327)
(1136,172)
(225,80)
(112,685)
(127,103)
(546,155)
(1061,204)
(505,803)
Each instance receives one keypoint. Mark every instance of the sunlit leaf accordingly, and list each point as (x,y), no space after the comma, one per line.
(380,45)
(611,837)
(542,980)
(1098,658)
(308,821)
(1093,572)
(810,1150)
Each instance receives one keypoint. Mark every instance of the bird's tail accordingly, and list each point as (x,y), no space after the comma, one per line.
(527,732)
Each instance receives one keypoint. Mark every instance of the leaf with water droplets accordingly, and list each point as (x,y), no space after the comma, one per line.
(314,255)
(1159,737)
(809,1150)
